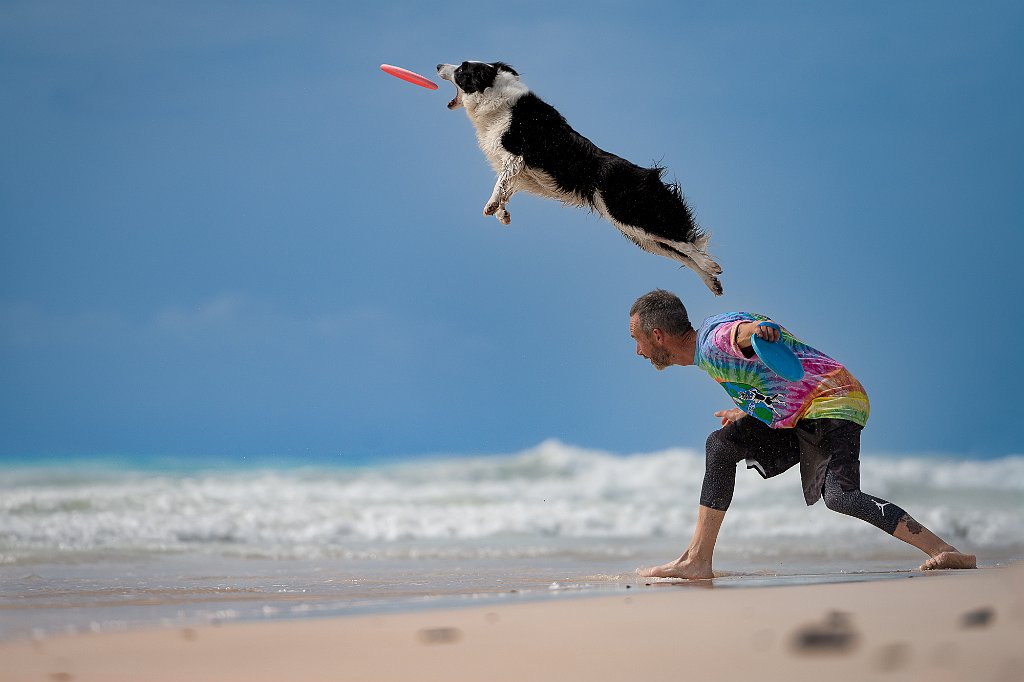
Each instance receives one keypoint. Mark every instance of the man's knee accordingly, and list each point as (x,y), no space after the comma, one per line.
(719,452)
(876,511)
(836,499)
(719,472)
(840,495)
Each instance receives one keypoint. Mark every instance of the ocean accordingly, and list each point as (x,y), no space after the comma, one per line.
(114,544)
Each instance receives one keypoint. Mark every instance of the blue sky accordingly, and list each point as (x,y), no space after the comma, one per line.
(225,233)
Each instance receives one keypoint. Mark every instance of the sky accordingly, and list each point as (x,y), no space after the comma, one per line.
(225,233)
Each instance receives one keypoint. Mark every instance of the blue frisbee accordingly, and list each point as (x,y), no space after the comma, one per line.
(779,357)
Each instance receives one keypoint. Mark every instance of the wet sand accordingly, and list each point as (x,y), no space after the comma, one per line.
(946,625)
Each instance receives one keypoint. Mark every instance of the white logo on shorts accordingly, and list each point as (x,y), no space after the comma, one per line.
(881,506)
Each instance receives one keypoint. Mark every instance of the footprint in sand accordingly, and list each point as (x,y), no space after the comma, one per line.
(834,636)
(440,635)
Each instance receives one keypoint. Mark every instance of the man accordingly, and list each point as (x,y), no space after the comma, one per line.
(815,422)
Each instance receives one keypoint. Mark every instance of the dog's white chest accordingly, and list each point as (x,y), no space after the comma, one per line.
(490,128)
(491,124)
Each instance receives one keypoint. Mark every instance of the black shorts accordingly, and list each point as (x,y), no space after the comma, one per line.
(817,445)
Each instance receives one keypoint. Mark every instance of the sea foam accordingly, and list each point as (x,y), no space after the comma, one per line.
(550,499)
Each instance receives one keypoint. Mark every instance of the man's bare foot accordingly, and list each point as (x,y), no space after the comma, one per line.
(688,570)
(953,559)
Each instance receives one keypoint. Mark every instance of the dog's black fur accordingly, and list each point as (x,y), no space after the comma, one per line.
(634,195)
(535,149)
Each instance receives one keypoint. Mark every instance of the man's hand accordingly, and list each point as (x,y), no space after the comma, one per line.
(768,332)
(747,329)
(729,416)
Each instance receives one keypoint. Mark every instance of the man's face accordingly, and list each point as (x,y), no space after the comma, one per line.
(648,345)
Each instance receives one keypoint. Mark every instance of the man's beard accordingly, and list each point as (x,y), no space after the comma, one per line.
(660,358)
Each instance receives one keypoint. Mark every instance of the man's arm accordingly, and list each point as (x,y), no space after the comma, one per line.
(744,330)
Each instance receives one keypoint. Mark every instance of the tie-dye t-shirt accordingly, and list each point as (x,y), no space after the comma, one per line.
(827,391)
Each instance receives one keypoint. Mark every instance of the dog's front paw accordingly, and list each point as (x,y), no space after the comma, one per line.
(491,208)
(503,216)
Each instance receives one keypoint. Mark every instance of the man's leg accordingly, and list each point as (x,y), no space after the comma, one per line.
(943,554)
(842,494)
(725,448)
(695,562)
(896,522)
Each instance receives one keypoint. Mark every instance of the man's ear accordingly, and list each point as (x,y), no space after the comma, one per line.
(657,335)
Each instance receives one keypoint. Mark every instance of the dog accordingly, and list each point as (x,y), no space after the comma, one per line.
(533,149)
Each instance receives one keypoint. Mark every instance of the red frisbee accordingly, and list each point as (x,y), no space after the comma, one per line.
(407,75)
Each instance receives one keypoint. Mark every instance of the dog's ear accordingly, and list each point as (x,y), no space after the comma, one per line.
(502,66)
(475,76)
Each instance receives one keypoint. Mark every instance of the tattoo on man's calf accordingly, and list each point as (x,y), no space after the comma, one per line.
(913,526)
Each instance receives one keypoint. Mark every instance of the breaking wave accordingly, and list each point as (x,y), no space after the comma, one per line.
(551,499)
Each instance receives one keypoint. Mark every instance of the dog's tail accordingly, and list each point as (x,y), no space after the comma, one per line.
(680,213)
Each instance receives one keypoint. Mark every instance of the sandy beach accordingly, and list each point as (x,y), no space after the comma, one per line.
(949,625)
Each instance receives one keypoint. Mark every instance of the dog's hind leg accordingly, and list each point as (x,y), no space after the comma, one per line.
(705,267)
(695,253)
(657,248)
(708,278)
(504,188)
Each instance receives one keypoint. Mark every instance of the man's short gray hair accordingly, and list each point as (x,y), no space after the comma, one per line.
(662,310)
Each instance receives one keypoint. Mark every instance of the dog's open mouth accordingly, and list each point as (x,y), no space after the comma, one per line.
(447,72)
(457,100)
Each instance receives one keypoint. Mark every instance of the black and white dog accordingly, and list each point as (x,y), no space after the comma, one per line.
(532,148)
